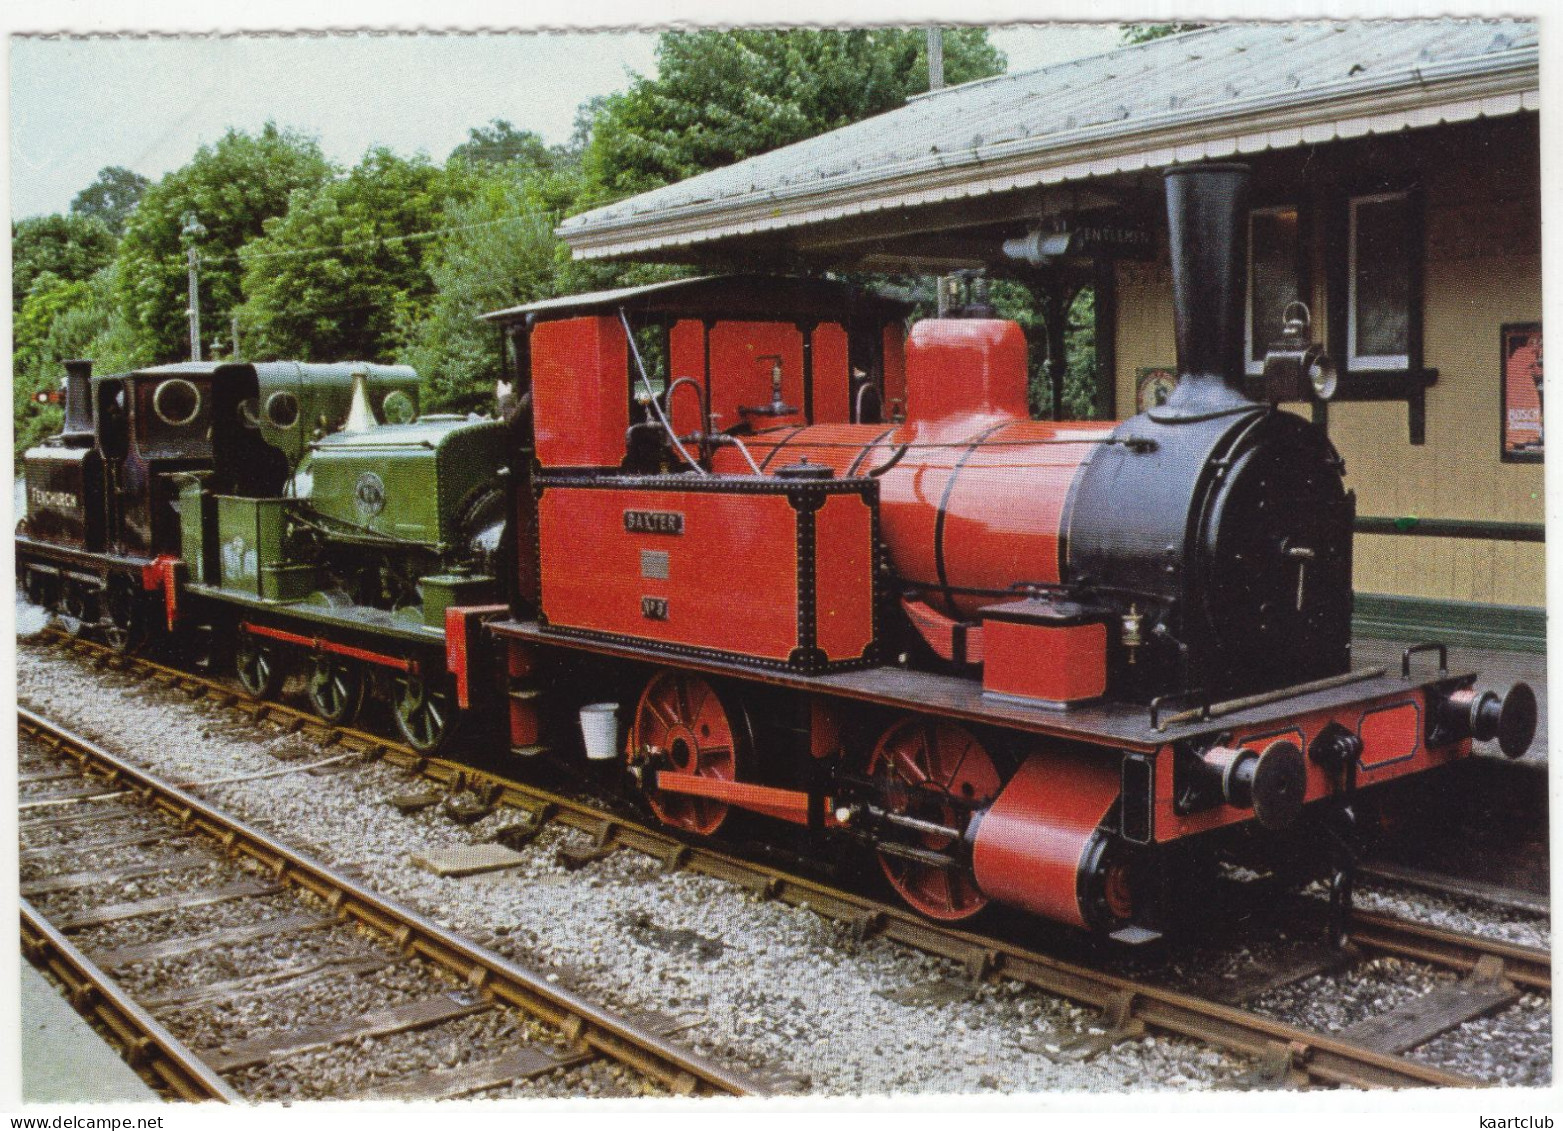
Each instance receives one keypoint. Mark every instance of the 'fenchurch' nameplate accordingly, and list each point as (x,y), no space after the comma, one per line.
(654,522)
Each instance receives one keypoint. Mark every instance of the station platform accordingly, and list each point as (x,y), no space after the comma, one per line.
(63,1059)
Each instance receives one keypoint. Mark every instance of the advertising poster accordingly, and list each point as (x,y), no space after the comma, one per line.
(1522,395)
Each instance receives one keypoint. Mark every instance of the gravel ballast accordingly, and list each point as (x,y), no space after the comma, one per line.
(764,985)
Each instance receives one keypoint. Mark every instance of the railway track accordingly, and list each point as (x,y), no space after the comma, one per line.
(1384,934)
(147,1044)
(474,979)
(1431,880)
(1129,1005)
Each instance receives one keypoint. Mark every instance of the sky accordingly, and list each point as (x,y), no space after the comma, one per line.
(78,105)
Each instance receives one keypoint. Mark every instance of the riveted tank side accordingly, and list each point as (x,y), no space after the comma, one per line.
(405,483)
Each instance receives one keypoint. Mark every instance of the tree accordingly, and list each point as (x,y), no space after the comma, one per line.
(1131,34)
(501,251)
(232,187)
(586,115)
(62,319)
(1018,302)
(111,197)
(71,248)
(721,96)
(341,273)
(500,142)
(498,249)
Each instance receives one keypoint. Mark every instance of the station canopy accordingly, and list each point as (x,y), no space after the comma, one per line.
(935,185)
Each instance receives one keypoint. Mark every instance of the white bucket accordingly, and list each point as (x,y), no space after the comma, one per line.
(600,729)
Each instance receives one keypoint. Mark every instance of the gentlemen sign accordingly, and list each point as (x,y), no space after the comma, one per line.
(1112,240)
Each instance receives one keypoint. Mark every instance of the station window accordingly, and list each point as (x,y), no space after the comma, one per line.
(1274,277)
(1382,244)
(1373,251)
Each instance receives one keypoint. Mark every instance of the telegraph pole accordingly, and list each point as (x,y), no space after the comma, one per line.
(193,230)
(936,82)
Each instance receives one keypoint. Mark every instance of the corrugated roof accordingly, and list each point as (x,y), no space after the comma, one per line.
(1225,89)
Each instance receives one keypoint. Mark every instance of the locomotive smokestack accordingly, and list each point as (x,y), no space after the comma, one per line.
(1207,206)
(78,403)
(359,416)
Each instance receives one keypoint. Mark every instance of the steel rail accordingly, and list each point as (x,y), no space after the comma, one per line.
(1320,1056)
(1324,1058)
(148,1046)
(1526,966)
(1459,887)
(681,1070)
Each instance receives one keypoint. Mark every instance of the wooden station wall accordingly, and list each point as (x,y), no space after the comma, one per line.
(1482,269)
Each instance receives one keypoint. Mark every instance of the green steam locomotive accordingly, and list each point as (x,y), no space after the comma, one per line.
(304,515)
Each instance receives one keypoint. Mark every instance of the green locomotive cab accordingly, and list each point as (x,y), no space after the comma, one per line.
(343,556)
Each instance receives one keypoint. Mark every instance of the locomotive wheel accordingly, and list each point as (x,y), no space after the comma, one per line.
(935,771)
(425,714)
(683,724)
(126,630)
(78,609)
(336,687)
(124,639)
(42,590)
(258,666)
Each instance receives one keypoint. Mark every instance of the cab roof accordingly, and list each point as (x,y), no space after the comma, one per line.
(771,297)
(333,372)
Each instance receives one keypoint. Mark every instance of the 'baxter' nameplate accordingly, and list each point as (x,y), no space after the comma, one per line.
(653,522)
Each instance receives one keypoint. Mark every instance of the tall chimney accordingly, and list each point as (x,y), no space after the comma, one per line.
(78,404)
(1207,233)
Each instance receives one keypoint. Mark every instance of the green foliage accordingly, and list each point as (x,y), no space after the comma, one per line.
(721,96)
(502,252)
(71,248)
(62,319)
(336,276)
(1081,378)
(62,304)
(499,251)
(233,187)
(1020,303)
(1143,33)
(586,117)
(111,197)
(499,142)
(33,325)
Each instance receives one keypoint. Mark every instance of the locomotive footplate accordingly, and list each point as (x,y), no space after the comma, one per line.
(88,561)
(352,617)
(1123,726)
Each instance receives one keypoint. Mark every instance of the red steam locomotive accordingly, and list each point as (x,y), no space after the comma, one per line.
(1024,662)
(779,557)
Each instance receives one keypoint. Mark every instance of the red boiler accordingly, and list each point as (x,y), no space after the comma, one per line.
(973,493)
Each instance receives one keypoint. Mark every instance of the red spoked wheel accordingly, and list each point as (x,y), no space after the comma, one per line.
(935,771)
(681,724)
